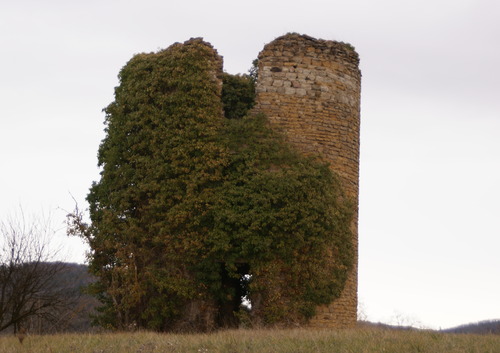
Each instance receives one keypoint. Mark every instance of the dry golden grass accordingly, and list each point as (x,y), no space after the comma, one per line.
(262,341)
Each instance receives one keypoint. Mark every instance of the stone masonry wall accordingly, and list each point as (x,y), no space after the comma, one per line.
(310,89)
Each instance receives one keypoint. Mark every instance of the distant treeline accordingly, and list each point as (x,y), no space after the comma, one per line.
(483,327)
(76,315)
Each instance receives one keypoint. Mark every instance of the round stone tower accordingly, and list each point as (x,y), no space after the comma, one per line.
(310,89)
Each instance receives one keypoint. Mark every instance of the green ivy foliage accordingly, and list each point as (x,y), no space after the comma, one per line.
(238,95)
(160,159)
(286,216)
(187,195)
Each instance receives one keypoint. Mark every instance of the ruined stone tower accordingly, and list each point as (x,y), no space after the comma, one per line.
(310,89)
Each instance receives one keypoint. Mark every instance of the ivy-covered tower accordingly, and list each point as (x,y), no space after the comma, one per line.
(310,89)
(201,205)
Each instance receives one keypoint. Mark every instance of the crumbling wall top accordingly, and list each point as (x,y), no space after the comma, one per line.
(294,45)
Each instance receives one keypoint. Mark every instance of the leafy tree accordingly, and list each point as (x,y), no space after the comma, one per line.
(190,204)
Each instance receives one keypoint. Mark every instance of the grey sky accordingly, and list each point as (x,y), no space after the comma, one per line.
(430,164)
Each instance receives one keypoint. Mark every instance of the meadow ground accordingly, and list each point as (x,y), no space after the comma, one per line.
(262,341)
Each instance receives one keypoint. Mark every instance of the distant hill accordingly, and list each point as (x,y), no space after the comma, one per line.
(75,277)
(76,316)
(483,327)
(380,325)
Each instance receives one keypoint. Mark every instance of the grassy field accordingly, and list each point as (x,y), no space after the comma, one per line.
(262,341)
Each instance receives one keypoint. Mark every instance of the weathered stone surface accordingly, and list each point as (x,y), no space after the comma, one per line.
(317,104)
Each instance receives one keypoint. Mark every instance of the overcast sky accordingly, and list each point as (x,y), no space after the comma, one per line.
(429,224)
